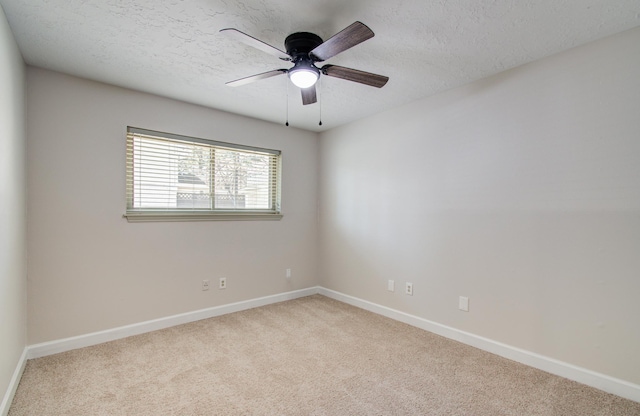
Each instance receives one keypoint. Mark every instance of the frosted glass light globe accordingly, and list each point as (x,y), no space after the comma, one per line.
(303,78)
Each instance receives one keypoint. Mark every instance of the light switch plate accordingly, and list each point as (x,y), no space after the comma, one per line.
(463,303)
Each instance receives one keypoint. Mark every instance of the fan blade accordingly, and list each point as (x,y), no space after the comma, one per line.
(355,75)
(256,43)
(309,95)
(257,77)
(349,37)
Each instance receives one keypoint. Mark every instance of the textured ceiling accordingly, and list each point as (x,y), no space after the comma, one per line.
(173,48)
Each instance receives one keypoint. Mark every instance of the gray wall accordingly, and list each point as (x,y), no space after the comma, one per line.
(13,272)
(91,270)
(521,191)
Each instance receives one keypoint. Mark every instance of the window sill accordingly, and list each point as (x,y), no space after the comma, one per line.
(172,216)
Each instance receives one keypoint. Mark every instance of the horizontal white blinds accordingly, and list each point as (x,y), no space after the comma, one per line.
(167,172)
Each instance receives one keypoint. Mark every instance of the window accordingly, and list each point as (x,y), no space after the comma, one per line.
(178,178)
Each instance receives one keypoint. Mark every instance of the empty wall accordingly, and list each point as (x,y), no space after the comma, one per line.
(520,191)
(91,270)
(13,272)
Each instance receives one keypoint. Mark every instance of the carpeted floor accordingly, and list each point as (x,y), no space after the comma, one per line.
(309,356)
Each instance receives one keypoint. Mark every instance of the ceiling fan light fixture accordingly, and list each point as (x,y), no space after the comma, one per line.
(304,75)
(304,50)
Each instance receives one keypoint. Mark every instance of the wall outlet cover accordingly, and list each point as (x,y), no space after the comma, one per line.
(409,289)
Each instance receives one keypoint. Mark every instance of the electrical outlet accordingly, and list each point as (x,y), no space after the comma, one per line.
(463,303)
(223,283)
(288,273)
(205,284)
(408,289)
(391,286)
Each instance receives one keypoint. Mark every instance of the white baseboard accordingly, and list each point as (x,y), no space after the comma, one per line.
(581,375)
(81,341)
(13,384)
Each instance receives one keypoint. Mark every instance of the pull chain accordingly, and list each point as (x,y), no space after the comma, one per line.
(287,123)
(320,100)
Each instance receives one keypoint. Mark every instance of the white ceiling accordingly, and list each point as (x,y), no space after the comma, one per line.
(172,47)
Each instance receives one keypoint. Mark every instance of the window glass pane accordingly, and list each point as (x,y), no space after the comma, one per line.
(194,178)
(242,180)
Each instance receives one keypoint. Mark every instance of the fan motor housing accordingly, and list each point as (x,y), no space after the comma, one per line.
(301,43)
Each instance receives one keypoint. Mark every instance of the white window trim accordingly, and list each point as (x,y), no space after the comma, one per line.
(172,216)
(176,215)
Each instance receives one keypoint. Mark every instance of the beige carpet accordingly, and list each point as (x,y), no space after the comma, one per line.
(310,356)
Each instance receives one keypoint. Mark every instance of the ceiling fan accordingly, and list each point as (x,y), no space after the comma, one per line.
(304,49)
